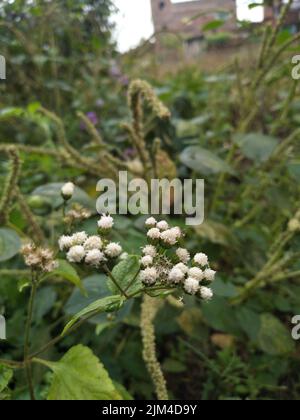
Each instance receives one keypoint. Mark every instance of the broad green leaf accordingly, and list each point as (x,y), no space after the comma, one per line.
(6,375)
(256,146)
(204,161)
(224,289)
(213,25)
(53,193)
(249,321)
(106,304)
(192,127)
(11,112)
(80,375)
(96,288)
(273,337)
(10,244)
(221,316)
(67,272)
(126,274)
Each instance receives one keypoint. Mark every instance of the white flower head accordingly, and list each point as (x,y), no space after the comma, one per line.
(206,293)
(106,222)
(79,238)
(67,190)
(150,250)
(201,259)
(65,242)
(76,254)
(146,260)
(153,233)
(182,267)
(177,232)
(169,237)
(163,225)
(149,276)
(51,266)
(150,222)
(183,254)
(113,250)
(94,257)
(93,242)
(209,274)
(124,256)
(191,286)
(176,275)
(196,273)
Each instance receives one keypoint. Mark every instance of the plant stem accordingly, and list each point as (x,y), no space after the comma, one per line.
(27,361)
(110,275)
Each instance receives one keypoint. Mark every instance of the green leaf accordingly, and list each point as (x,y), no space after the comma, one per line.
(53,193)
(80,375)
(95,287)
(126,274)
(67,272)
(11,112)
(6,375)
(204,161)
(192,127)
(274,338)
(107,304)
(249,321)
(256,146)
(224,289)
(212,25)
(10,244)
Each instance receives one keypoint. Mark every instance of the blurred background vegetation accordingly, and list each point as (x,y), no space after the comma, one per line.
(235,123)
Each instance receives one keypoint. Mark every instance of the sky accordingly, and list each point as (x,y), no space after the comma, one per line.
(134,22)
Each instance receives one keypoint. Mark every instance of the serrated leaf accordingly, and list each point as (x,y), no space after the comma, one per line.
(67,272)
(10,244)
(6,375)
(80,375)
(204,161)
(126,274)
(273,337)
(107,304)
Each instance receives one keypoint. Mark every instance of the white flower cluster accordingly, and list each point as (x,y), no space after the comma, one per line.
(193,275)
(92,250)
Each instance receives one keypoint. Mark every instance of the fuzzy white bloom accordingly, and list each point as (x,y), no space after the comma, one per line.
(113,250)
(76,254)
(201,259)
(196,273)
(150,222)
(65,242)
(79,238)
(206,293)
(176,275)
(149,275)
(169,236)
(124,256)
(106,222)
(176,231)
(163,225)
(191,286)
(67,190)
(51,266)
(153,233)
(94,257)
(182,267)
(183,254)
(150,250)
(146,260)
(93,242)
(209,274)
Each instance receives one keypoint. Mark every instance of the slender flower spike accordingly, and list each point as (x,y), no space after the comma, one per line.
(67,191)
(201,259)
